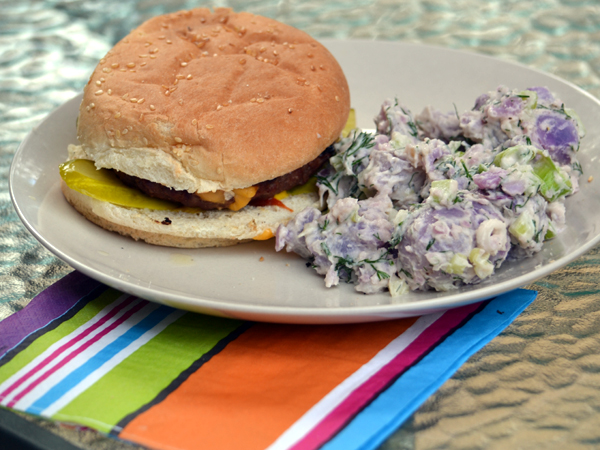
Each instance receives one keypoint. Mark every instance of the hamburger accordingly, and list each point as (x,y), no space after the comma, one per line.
(206,116)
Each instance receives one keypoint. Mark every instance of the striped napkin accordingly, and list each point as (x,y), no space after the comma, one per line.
(83,353)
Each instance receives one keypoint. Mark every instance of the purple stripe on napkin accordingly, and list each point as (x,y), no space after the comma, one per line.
(46,307)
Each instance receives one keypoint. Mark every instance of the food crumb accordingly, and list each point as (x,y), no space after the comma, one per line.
(287,264)
(590,179)
(262,258)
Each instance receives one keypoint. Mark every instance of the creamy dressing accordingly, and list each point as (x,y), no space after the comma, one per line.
(439,200)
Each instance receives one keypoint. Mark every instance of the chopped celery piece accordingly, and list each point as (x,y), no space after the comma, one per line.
(519,154)
(530,98)
(523,228)
(457,265)
(82,176)
(397,287)
(443,191)
(481,265)
(554,183)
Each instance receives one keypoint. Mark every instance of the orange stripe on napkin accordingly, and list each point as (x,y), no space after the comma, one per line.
(259,385)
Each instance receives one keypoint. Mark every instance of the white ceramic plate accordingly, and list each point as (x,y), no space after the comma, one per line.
(233,281)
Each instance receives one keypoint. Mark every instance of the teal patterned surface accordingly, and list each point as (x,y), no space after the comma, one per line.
(535,386)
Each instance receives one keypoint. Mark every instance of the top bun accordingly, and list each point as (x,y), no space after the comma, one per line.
(202,101)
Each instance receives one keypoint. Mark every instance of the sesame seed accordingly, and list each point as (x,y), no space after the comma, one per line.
(143,56)
(253,100)
(117,115)
(306,83)
(167,92)
(153,50)
(152,56)
(242,61)
(183,64)
(189,77)
(180,101)
(143,64)
(275,52)
(115,65)
(102,79)
(194,122)
(152,107)
(337,99)
(141,100)
(109,92)
(106,70)
(87,108)
(162,37)
(321,67)
(313,68)
(102,61)
(147,44)
(141,117)
(260,100)
(178,140)
(124,97)
(219,107)
(289,110)
(169,41)
(133,100)
(92,105)
(210,127)
(125,131)
(123,70)
(99,92)
(263,49)
(176,81)
(131,65)
(98,83)
(292,46)
(318,136)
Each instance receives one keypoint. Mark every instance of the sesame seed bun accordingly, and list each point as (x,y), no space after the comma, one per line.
(204,101)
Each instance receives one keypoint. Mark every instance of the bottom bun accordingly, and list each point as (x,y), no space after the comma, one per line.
(185,229)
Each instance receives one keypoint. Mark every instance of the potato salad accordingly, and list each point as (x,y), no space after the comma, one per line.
(441,199)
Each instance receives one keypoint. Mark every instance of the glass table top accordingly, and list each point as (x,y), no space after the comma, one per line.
(537,385)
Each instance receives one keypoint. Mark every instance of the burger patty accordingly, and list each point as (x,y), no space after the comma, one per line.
(266,189)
